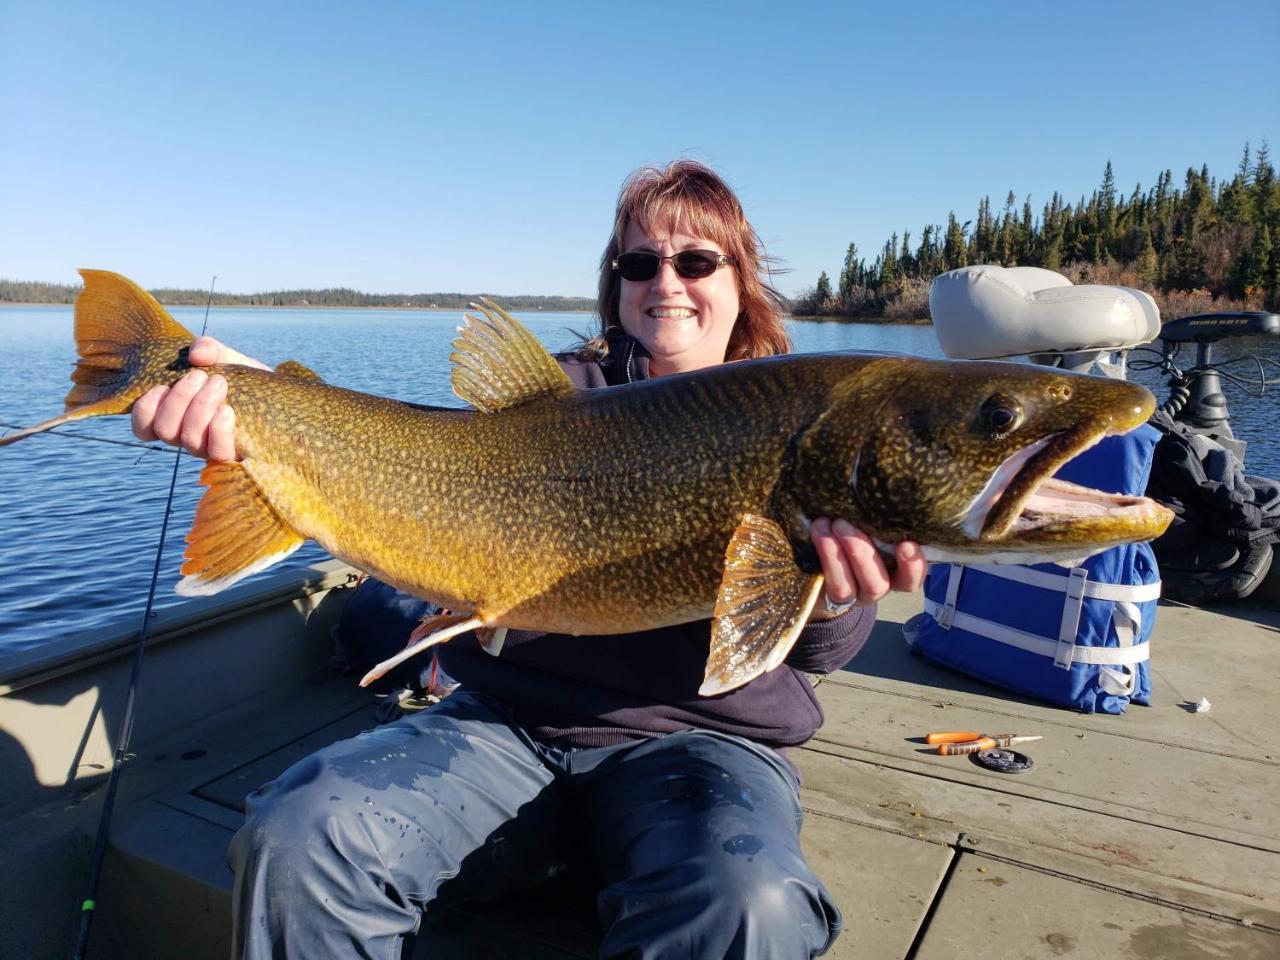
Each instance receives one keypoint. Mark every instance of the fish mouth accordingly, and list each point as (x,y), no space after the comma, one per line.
(1024,503)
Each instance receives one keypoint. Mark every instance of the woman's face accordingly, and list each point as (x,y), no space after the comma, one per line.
(684,324)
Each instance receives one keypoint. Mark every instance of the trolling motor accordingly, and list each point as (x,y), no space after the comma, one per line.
(1195,396)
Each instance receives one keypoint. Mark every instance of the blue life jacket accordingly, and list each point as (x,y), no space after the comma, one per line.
(1077,638)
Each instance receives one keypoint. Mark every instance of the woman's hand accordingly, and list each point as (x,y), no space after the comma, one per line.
(193,412)
(853,568)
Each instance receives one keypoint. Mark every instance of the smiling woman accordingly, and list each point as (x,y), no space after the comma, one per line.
(688,321)
(685,323)
(595,748)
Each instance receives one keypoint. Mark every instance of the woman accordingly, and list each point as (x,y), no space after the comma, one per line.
(592,750)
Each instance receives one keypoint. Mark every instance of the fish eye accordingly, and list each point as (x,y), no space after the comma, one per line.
(1000,415)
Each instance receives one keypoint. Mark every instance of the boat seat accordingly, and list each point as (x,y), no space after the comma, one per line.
(988,312)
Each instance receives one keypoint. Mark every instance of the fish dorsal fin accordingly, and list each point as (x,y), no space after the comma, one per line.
(292,368)
(497,363)
(236,532)
(764,602)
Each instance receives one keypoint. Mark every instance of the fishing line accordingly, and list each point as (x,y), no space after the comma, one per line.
(86,436)
(89,903)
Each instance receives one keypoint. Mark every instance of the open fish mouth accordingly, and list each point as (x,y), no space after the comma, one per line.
(1023,501)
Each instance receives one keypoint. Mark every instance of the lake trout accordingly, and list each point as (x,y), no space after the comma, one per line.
(547,508)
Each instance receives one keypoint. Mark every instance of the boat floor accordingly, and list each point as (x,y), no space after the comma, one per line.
(1151,835)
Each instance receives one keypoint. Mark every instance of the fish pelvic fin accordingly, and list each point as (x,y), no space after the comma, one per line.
(237,532)
(434,629)
(498,363)
(127,344)
(492,639)
(764,602)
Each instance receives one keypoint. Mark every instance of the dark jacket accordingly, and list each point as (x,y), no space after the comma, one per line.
(602,690)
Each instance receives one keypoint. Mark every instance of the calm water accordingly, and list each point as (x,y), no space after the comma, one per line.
(79,520)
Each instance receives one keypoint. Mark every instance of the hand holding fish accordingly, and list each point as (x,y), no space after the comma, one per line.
(855,571)
(193,412)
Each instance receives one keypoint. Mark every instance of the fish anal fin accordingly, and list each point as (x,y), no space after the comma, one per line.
(292,368)
(764,602)
(236,533)
(498,363)
(432,630)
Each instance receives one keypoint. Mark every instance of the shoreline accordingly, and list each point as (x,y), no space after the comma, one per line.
(298,306)
(869,321)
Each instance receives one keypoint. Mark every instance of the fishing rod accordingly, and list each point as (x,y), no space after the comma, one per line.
(89,902)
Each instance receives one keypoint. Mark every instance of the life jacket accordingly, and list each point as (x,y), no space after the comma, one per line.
(1077,638)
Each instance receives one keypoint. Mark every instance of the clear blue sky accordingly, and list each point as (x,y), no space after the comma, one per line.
(412,147)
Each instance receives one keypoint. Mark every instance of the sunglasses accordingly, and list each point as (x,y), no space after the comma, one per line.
(690,264)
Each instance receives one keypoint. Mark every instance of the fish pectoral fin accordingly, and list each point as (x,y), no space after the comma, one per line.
(447,626)
(497,363)
(764,602)
(292,368)
(236,533)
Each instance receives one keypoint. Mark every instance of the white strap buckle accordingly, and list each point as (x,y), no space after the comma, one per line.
(953,590)
(1070,623)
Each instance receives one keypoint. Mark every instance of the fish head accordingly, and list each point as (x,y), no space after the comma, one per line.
(960,456)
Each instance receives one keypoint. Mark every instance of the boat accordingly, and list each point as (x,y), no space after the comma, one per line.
(1153,834)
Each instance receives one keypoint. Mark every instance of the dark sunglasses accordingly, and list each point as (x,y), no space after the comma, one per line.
(690,264)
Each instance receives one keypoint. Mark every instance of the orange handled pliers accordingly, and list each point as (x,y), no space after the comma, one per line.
(953,742)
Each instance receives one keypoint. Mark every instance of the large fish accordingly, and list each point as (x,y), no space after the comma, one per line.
(609,511)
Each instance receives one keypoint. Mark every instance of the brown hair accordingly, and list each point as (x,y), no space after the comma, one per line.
(692,196)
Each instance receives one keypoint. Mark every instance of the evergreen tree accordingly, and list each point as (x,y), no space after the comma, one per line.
(983,246)
(1106,213)
(824,289)
(1026,234)
(888,277)
(1148,262)
(1005,239)
(954,247)
(850,274)
(1255,266)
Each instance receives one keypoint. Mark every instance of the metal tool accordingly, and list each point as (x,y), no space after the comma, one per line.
(1004,761)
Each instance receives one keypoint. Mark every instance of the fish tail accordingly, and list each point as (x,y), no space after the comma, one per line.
(127,344)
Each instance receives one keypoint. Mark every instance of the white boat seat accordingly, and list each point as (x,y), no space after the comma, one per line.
(988,312)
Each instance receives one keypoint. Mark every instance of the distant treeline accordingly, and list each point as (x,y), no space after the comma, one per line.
(1209,245)
(21,291)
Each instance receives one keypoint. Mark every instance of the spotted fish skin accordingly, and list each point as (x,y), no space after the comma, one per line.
(626,509)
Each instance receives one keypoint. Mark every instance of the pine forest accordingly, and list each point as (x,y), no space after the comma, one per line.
(1200,246)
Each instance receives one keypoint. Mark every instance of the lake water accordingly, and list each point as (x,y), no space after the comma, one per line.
(79,520)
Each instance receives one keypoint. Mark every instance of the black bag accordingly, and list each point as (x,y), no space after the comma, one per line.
(1226,523)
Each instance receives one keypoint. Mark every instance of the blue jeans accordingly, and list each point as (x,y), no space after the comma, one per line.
(692,837)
